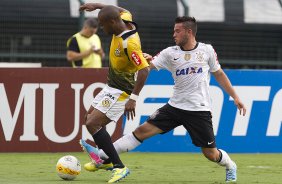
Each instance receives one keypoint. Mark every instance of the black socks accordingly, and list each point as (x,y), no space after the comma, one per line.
(104,142)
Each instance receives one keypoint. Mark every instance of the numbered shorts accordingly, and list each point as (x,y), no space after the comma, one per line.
(111,102)
(197,123)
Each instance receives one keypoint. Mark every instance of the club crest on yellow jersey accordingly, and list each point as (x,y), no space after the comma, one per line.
(117,51)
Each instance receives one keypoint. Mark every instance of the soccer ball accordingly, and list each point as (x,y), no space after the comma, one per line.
(68,167)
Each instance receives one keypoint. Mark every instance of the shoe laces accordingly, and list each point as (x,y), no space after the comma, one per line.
(114,172)
(230,174)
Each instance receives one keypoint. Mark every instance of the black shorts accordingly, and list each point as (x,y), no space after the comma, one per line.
(197,123)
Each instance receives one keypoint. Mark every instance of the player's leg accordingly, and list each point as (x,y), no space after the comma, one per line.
(200,128)
(130,141)
(103,140)
(124,144)
(95,122)
(108,106)
(161,121)
(93,153)
(222,158)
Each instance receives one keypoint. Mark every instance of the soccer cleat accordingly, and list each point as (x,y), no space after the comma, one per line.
(118,174)
(92,167)
(92,153)
(231,174)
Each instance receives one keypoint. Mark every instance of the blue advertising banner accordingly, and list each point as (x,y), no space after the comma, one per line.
(257,132)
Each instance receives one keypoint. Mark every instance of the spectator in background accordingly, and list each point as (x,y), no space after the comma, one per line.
(84,48)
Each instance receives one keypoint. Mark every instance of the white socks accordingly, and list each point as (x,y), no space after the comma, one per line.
(124,144)
(226,160)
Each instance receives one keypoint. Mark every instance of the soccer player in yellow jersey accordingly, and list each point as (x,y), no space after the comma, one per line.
(128,71)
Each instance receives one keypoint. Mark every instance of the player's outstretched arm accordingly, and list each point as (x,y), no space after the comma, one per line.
(95,6)
(224,82)
(91,6)
(149,58)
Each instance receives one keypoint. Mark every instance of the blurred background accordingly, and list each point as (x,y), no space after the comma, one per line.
(245,33)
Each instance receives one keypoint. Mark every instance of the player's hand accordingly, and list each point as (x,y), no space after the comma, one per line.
(148,57)
(129,110)
(240,106)
(88,7)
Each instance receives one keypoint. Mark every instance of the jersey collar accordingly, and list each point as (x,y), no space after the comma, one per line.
(190,49)
(124,32)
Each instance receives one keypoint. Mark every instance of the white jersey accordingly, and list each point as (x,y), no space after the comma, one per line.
(191,73)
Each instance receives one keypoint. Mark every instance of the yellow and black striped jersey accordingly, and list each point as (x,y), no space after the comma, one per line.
(126,58)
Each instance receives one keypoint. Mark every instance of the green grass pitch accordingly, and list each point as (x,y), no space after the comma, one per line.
(146,168)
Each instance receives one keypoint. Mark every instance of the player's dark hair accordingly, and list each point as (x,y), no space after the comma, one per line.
(188,23)
(91,22)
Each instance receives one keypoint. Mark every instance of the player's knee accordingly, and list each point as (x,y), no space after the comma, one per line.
(138,133)
(146,131)
(91,125)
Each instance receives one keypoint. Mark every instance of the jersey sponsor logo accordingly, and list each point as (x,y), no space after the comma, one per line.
(136,58)
(110,96)
(176,58)
(189,71)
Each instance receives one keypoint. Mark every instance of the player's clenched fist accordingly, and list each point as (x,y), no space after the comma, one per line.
(148,57)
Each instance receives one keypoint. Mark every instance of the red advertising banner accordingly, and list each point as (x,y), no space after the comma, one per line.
(42,109)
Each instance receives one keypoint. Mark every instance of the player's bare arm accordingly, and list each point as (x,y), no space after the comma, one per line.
(129,109)
(95,6)
(224,82)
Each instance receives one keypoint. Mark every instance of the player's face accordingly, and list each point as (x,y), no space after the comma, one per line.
(106,25)
(180,34)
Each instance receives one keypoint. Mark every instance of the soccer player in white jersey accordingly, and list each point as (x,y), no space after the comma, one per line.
(190,63)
